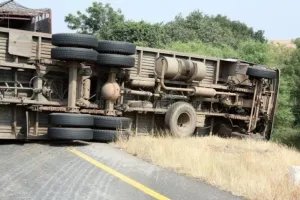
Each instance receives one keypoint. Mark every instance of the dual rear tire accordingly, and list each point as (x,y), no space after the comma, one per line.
(108,129)
(115,54)
(70,133)
(86,48)
(74,47)
(110,135)
(66,126)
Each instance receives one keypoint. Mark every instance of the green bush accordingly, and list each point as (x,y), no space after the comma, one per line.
(288,136)
(201,48)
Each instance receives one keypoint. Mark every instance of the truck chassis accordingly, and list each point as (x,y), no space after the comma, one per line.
(163,91)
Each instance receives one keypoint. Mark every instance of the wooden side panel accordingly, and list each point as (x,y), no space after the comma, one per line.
(24,46)
(6,120)
(210,73)
(41,126)
(44,52)
(148,64)
(4,55)
(20,44)
(145,124)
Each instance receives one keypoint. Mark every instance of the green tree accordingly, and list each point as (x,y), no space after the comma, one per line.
(178,30)
(218,30)
(142,33)
(197,26)
(100,20)
(253,51)
(106,23)
(279,55)
(240,30)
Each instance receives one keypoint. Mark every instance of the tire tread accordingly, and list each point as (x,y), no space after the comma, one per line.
(74,40)
(112,122)
(70,133)
(74,54)
(113,60)
(116,47)
(261,73)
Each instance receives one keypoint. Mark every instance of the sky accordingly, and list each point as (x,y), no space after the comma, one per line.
(279,19)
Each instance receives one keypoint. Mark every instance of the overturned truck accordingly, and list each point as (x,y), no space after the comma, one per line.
(71,86)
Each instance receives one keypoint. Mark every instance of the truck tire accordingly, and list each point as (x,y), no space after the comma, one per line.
(116,47)
(74,54)
(117,61)
(261,73)
(110,135)
(71,120)
(74,40)
(112,122)
(180,119)
(70,133)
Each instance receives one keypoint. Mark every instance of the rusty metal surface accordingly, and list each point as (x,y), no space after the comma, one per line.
(52,109)
(163,111)
(110,91)
(179,69)
(206,92)
(143,83)
(92,111)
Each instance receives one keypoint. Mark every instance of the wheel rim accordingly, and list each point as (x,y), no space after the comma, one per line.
(183,121)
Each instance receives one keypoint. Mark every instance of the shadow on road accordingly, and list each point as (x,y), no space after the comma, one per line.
(52,143)
(65,143)
(13,142)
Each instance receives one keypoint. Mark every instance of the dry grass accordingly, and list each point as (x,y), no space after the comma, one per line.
(252,169)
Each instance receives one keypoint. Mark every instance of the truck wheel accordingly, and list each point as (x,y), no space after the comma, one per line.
(181,119)
(73,120)
(112,122)
(261,73)
(113,60)
(109,135)
(70,133)
(116,47)
(74,54)
(74,40)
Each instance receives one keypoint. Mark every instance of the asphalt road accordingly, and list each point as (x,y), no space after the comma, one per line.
(79,170)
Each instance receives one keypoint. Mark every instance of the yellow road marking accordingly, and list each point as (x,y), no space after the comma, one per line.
(124,178)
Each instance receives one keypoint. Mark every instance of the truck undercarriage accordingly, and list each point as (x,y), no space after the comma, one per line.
(156,90)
